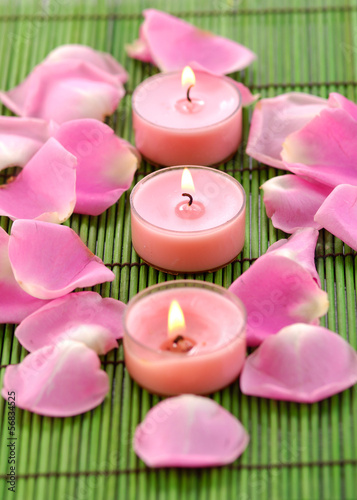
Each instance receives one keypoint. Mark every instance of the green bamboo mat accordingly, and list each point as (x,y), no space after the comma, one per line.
(296,451)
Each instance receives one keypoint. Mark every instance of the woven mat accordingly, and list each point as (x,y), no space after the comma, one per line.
(296,451)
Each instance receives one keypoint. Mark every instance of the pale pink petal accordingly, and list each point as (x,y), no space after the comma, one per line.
(301,363)
(83,316)
(301,247)
(278,291)
(291,202)
(189,431)
(139,49)
(274,119)
(50,261)
(173,43)
(21,138)
(101,60)
(45,189)
(65,90)
(338,214)
(336,100)
(325,149)
(15,304)
(58,381)
(106,165)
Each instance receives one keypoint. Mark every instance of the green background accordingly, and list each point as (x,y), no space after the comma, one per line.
(296,451)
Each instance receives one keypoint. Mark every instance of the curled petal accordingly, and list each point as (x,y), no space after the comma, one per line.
(50,261)
(15,304)
(189,431)
(278,291)
(301,363)
(65,90)
(101,60)
(83,316)
(106,164)
(338,214)
(140,49)
(45,189)
(336,100)
(325,149)
(274,119)
(292,202)
(21,138)
(58,381)
(301,247)
(172,44)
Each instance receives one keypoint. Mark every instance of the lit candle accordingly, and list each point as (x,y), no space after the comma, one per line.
(188,219)
(184,336)
(183,119)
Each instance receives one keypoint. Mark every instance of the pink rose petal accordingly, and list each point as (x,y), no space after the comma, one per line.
(106,165)
(189,431)
(15,304)
(173,43)
(274,119)
(58,381)
(45,189)
(301,363)
(277,290)
(291,202)
(65,90)
(301,247)
(338,214)
(82,316)
(325,149)
(21,138)
(139,49)
(336,100)
(101,60)
(49,260)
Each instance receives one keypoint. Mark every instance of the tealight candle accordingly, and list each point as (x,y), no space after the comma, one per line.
(184,336)
(188,223)
(197,123)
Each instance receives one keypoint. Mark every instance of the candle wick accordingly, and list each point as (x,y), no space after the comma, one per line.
(190,200)
(188,93)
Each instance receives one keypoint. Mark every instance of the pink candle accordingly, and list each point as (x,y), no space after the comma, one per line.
(171,130)
(173,235)
(214,329)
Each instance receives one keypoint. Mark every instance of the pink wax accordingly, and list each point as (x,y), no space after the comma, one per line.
(175,237)
(170,130)
(215,320)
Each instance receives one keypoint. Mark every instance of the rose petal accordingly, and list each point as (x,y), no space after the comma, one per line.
(189,431)
(21,138)
(83,316)
(301,247)
(173,43)
(106,165)
(64,91)
(325,149)
(140,49)
(58,381)
(336,100)
(100,60)
(301,363)
(45,189)
(15,304)
(291,202)
(338,214)
(274,119)
(49,261)
(278,291)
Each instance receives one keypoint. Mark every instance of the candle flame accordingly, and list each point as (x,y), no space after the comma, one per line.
(187,181)
(188,76)
(176,320)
